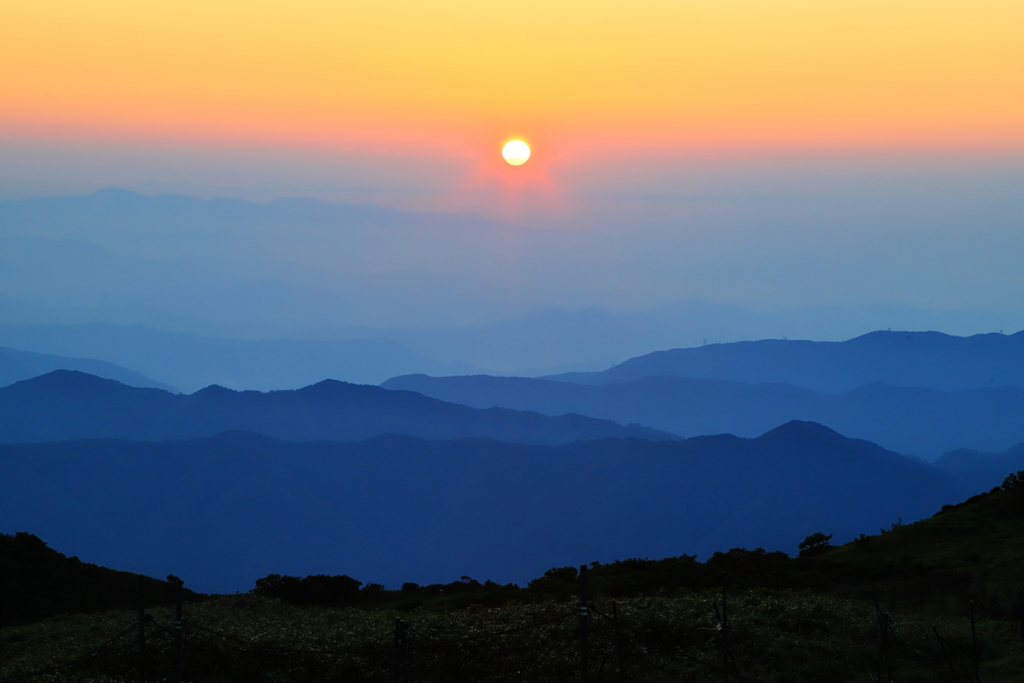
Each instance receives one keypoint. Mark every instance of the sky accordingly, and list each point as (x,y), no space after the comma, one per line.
(766,154)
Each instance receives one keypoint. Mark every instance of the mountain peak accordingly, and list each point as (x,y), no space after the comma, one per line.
(802,429)
(68,378)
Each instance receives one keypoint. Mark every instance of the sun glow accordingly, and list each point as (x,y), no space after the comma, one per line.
(516,152)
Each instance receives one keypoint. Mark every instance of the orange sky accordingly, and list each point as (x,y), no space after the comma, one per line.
(461,76)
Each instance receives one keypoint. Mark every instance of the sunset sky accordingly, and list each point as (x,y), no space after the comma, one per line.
(434,84)
(782,153)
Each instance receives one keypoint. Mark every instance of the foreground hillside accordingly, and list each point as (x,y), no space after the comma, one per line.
(922,422)
(37,582)
(223,511)
(895,606)
(72,405)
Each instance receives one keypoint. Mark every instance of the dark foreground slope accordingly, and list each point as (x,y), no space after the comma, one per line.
(910,359)
(225,511)
(921,422)
(72,405)
(37,582)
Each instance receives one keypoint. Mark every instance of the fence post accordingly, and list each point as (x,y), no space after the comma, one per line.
(1020,611)
(725,638)
(401,675)
(179,626)
(584,626)
(945,654)
(974,647)
(884,664)
(618,641)
(142,629)
(883,659)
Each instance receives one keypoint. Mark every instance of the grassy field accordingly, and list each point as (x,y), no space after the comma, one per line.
(773,636)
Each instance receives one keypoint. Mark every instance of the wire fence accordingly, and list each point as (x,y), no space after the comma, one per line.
(585,642)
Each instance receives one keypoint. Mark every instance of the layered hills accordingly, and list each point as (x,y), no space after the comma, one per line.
(909,420)
(929,360)
(72,405)
(224,511)
(982,470)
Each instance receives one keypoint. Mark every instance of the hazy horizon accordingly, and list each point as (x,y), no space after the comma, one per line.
(849,166)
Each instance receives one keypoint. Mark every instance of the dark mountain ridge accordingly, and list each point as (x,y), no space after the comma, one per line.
(929,360)
(913,421)
(224,511)
(66,405)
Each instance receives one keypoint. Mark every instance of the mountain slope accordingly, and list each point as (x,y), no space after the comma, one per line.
(71,405)
(18,365)
(971,549)
(37,582)
(223,511)
(911,359)
(920,422)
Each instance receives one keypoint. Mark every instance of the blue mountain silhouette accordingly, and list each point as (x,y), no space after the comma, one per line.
(913,421)
(224,511)
(73,405)
(909,359)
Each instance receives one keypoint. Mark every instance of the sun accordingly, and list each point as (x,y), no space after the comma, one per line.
(516,152)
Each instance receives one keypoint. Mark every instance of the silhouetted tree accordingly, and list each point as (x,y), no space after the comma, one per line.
(815,544)
(1014,481)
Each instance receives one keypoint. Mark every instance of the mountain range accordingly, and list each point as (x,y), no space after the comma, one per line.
(929,360)
(913,421)
(66,404)
(223,511)
(191,362)
(982,470)
(451,288)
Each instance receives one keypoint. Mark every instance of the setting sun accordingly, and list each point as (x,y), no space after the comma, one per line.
(516,152)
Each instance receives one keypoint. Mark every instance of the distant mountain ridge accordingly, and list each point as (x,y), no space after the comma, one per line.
(191,362)
(929,360)
(17,365)
(66,405)
(913,421)
(982,470)
(224,511)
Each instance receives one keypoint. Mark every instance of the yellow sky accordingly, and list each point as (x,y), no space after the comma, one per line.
(734,72)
